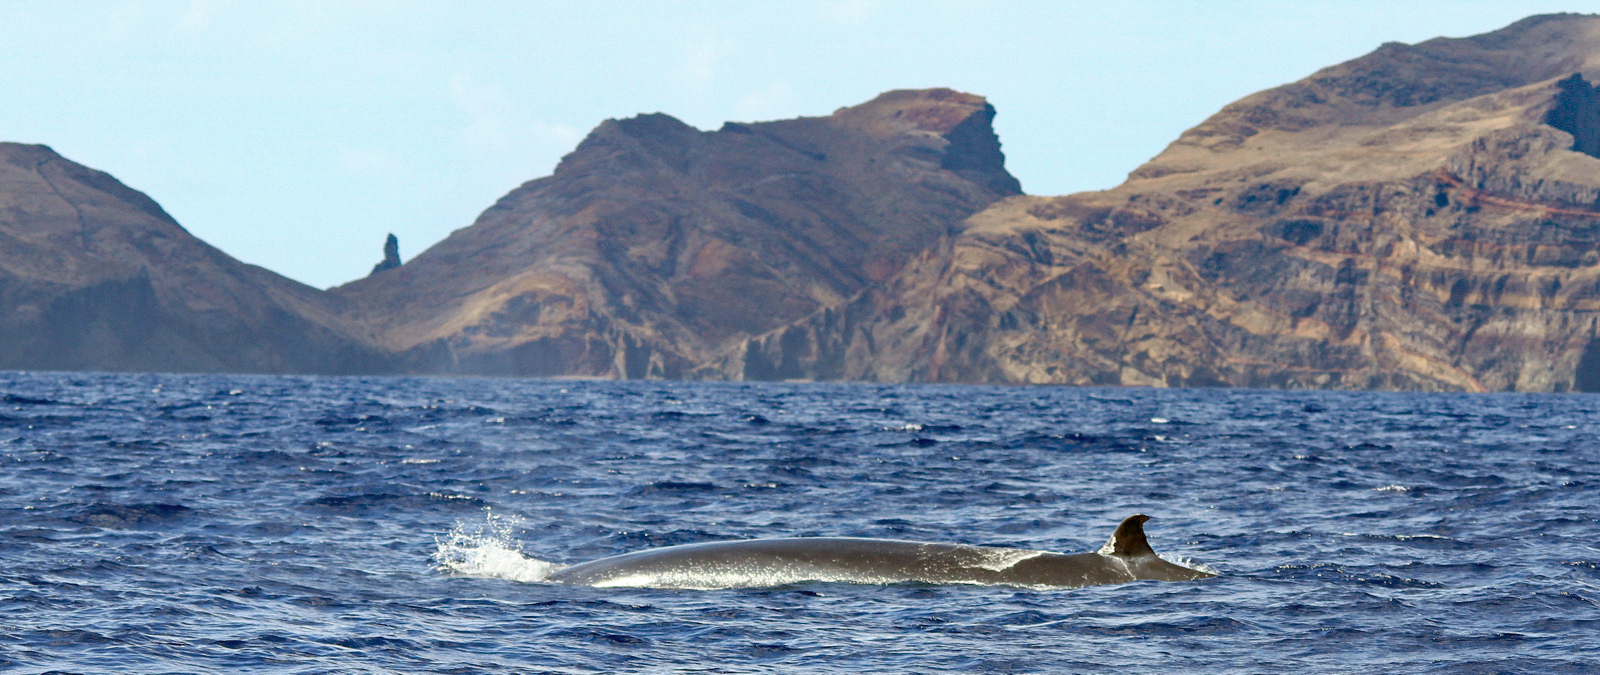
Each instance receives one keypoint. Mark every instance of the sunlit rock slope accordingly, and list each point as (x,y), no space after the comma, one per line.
(654,246)
(1425,217)
(96,276)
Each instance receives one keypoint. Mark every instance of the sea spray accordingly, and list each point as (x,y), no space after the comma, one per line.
(487,548)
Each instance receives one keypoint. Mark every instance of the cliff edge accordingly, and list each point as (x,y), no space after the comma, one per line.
(655,246)
(1426,217)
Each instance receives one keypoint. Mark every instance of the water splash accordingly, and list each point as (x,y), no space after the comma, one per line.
(1191,563)
(488,549)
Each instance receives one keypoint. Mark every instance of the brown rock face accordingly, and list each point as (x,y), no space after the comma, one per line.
(1425,217)
(655,247)
(95,276)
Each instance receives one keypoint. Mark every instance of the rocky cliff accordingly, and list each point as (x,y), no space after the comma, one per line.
(1425,217)
(655,246)
(96,276)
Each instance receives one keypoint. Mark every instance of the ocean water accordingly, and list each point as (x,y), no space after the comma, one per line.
(165,523)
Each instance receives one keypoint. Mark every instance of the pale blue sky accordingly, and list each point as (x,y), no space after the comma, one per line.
(294,135)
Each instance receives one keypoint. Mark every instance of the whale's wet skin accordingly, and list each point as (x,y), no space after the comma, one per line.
(771,562)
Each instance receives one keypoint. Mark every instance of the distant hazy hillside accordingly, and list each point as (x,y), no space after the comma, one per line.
(95,276)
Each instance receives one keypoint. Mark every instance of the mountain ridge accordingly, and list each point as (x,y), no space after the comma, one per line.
(1423,217)
(96,276)
(1378,241)
(653,243)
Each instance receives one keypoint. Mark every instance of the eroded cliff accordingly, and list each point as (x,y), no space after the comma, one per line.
(655,246)
(1425,217)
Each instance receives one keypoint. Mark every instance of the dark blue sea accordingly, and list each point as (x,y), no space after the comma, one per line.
(247,524)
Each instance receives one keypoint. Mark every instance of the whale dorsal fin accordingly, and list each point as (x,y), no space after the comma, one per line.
(1129,539)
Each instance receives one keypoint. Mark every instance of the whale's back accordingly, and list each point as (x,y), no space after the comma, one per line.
(1125,557)
(772,562)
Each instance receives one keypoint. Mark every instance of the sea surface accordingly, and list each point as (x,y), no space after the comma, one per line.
(252,524)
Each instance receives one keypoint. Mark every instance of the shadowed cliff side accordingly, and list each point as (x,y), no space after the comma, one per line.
(96,276)
(655,246)
(1424,217)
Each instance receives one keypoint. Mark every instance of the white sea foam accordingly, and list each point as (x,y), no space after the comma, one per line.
(487,549)
(1189,563)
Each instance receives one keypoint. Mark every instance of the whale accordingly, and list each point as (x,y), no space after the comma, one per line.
(751,563)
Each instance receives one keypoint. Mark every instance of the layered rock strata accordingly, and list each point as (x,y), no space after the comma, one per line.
(1422,218)
(1426,217)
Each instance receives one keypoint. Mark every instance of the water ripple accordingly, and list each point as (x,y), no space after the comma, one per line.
(156,523)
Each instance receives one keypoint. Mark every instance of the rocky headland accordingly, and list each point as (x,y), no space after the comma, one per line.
(1425,217)
(655,247)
